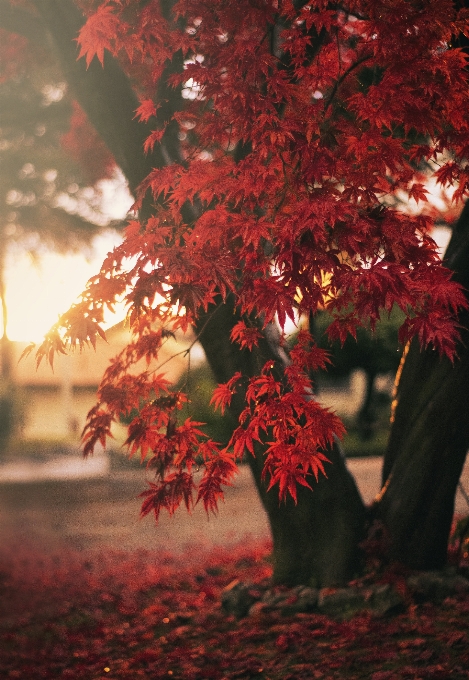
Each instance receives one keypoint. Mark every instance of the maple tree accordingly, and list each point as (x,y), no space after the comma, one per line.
(265,146)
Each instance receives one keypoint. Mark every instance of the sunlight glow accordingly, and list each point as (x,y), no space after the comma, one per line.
(37,293)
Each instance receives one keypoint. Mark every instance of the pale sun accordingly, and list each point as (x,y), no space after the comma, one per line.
(37,294)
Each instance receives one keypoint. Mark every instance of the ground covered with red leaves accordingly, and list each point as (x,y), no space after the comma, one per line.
(121,615)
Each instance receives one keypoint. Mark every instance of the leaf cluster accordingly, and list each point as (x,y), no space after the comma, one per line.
(297,126)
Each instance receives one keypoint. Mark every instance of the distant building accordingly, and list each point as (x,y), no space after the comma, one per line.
(56,402)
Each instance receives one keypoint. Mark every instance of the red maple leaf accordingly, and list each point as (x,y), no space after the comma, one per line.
(223,394)
(97,34)
(146,110)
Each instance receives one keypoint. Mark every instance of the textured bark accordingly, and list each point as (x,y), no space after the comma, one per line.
(318,540)
(366,416)
(429,439)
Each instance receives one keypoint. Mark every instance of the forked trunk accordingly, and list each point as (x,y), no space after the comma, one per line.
(429,439)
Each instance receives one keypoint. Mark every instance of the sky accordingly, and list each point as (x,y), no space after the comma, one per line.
(38,292)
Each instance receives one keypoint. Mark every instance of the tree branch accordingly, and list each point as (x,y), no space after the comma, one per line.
(104,93)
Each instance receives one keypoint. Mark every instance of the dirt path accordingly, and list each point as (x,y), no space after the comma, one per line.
(103,512)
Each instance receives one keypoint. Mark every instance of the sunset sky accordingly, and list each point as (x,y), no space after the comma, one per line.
(38,292)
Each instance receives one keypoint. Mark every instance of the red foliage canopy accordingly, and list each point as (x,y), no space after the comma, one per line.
(300,125)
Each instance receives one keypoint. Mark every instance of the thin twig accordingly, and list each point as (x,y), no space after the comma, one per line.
(187,350)
(340,80)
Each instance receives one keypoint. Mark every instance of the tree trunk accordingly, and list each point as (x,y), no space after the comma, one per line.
(429,439)
(317,540)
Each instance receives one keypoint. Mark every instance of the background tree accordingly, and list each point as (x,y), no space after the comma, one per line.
(50,158)
(377,353)
(274,135)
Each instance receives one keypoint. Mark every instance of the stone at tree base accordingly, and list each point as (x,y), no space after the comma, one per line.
(436,585)
(300,599)
(341,602)
(306,600)
(380,599)
(384,600)
(237,598)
